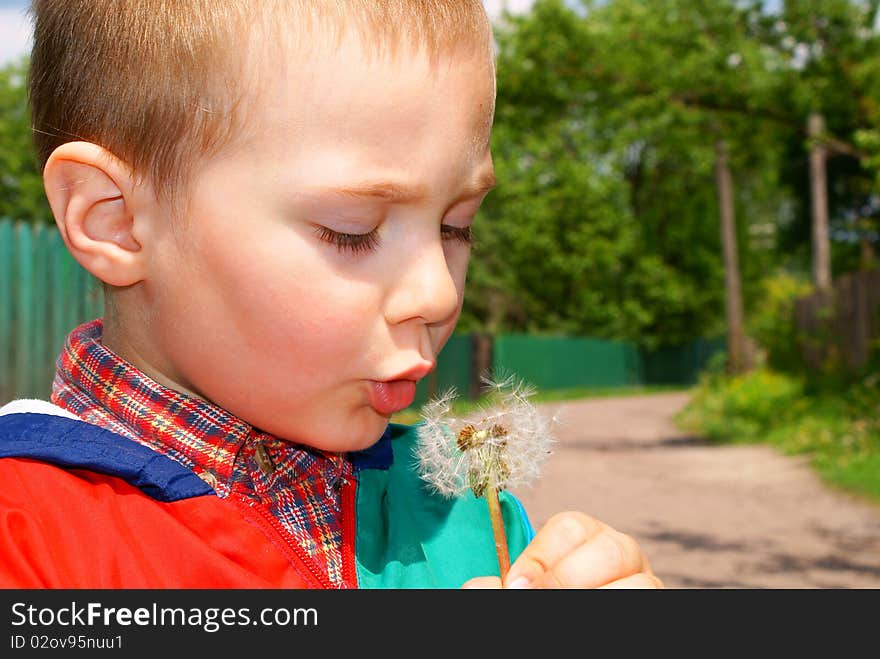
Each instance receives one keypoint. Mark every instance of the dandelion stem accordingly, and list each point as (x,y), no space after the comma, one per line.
(498,530)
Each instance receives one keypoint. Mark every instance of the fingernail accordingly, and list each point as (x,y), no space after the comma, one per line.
(519,583)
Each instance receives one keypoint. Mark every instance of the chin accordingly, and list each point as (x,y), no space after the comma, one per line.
(361,432)
(369,433)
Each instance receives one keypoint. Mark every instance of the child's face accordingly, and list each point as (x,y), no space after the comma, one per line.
(253,309)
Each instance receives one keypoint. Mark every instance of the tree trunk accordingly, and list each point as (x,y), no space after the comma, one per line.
(867,254)
(819,194)
(481,364)
(738,356)
(862,334)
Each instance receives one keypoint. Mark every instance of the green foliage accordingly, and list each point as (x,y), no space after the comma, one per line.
(869,140)
(830,47)
(605,222)
(742,408)
(772,323)
(571,242)
(21,183)
(838,429)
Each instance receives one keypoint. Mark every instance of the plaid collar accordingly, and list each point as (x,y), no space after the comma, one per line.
(299,485)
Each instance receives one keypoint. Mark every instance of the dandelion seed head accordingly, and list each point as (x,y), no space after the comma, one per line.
(504,443)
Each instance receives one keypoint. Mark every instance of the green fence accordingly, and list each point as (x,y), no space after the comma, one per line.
(679,364)
(44,294)
(559,362)
(454,369)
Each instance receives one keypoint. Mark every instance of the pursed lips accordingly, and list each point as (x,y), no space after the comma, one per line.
(397,393)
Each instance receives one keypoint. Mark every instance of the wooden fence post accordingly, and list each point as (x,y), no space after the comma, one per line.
(739,359)
(819,197)
(481,363)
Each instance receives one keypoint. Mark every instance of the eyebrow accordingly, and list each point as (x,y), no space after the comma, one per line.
(398,193)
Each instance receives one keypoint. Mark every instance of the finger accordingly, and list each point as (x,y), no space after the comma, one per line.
(485,583)
(561,535)
(640,580)
(607,557)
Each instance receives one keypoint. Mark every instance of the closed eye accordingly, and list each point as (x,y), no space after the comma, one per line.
(461,234)
(357,243)
(350,242)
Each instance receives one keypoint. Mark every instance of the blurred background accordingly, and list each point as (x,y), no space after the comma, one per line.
(681,255)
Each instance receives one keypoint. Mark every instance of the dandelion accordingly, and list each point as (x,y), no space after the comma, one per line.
(503,444)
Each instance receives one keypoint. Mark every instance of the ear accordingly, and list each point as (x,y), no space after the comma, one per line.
(92,195)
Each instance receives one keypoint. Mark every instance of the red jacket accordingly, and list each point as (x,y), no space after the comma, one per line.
(149,523)
(83,507)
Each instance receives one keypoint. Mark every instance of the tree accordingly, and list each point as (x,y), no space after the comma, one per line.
(738,359)
(21,183)
(819,198)
(606,218)
(600,138)
(832,74)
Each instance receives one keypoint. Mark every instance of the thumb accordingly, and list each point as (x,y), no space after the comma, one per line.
(485,583)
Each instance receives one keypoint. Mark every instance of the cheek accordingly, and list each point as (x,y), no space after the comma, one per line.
(300,300)
(457,260)
(281,297)
(271,270)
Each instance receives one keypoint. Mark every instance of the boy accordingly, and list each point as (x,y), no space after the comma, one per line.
(278,198)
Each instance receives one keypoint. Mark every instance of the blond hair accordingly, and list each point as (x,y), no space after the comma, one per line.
(161,84)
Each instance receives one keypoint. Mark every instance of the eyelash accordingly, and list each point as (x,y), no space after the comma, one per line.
(357,243)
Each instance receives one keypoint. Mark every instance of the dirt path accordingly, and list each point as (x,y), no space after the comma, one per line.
(706,516)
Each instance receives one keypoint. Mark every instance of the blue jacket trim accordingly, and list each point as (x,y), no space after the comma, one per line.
(79,445)
(378,456)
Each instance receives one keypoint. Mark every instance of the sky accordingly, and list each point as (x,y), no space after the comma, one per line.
(15,27)
(15,30)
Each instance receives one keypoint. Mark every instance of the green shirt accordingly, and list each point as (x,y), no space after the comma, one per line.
(410,537)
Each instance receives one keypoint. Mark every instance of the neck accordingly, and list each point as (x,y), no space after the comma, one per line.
(131,342)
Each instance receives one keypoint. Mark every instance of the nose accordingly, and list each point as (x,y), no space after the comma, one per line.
(424,287)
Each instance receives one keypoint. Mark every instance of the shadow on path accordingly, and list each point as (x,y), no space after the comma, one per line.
(623,444)
(805,570)
(707,515)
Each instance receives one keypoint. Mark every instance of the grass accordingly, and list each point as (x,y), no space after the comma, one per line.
(838,428)
(463,406)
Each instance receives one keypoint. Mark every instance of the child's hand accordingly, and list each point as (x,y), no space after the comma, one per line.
(573,550)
